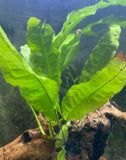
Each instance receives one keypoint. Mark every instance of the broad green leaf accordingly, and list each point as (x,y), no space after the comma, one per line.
(41,93)
(43,57)
(102,53)
(86,97)
(68,50)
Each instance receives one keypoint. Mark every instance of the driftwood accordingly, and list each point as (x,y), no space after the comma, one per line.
(87,138)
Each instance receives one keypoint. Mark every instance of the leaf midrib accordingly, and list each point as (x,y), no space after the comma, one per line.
(96,91)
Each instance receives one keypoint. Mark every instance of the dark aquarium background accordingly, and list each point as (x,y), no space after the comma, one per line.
(15,115)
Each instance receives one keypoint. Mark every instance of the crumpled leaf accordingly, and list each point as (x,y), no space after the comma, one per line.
(44,56)
(102,53)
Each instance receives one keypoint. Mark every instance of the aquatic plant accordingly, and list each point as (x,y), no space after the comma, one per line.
(37,70)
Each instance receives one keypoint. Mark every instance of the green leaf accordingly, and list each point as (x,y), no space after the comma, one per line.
(86,97)
(74,18)
(111,19)
(41,93)
(44,57)
(102,53)
(117,2)
(61,154)
(87,30)
(68,50)
(62,136)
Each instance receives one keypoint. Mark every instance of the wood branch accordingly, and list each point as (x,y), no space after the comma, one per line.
(116,113)
(87,138)
(30,145)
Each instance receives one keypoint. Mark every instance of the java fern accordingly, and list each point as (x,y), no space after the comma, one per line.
(38,69)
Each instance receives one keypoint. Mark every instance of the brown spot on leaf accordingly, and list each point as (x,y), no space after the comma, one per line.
(120,56)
